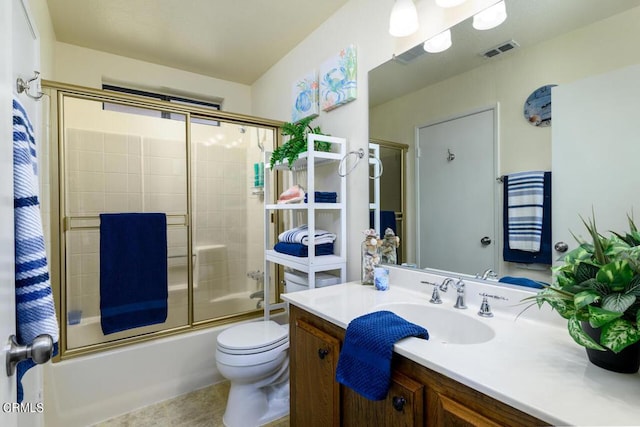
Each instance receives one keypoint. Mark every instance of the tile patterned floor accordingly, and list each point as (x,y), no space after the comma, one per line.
(201,408)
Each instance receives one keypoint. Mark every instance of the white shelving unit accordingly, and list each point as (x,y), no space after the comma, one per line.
(308,162)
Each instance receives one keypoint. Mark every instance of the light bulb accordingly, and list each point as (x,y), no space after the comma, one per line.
(449,3)
(490,17)
(404,18)
(438,43)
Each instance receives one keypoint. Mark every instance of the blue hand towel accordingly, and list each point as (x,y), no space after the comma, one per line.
(544,255)
(35,311)
(365,359)
(522,281)
(524,196)
(133,270)
(300,250)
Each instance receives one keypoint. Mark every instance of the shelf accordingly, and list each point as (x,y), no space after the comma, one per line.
(319,157)
(304,206)
(320,263)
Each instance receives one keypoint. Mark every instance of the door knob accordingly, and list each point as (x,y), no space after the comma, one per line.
(40,351)
(561,247)
(486,241)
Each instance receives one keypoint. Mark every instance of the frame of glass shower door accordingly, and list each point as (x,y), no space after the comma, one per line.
(53,131)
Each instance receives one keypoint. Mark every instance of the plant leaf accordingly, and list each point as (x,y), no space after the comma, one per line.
(599,316)
(618,302)
(619,334)
(585,272)
(584,298)
(616,274)
(580,336)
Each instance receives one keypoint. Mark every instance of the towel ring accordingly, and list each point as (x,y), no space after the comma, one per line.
(359,155)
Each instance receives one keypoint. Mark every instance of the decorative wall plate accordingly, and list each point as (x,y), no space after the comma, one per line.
(537,107)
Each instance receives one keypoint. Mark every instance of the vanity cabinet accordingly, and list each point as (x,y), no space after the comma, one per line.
(418,396)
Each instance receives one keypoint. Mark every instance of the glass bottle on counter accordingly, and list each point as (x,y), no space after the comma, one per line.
(370,252)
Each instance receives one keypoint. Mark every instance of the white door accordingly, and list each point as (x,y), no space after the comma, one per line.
(456,193)
(595,154)
(19,57)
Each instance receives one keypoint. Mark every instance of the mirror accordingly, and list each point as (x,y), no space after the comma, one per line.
(553,43)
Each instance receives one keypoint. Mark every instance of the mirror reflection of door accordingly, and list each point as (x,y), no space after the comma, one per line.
(456,176)
(391,190)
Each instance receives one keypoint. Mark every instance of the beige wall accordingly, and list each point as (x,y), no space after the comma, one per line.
(508,81)
(364,23)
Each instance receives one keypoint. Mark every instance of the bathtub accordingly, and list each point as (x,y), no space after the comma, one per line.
(87,390)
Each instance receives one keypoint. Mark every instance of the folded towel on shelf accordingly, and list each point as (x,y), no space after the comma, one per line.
(365,359)
(542,256)
(133,270)
(522,281)
(301,235)
(323,197)
(300,250)
(525,196)
(35,311)
(295,194)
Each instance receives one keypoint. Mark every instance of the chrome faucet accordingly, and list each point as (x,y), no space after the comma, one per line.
(459,285)
(488,274)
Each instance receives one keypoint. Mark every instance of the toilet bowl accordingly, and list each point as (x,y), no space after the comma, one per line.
(254,358)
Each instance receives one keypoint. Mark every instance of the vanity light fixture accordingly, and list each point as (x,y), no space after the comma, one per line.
(404,18)
(490,17)
(449,3)
(438,43)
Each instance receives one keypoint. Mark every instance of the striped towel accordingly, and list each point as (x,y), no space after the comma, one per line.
(34,301)
(525,196)
(301,235)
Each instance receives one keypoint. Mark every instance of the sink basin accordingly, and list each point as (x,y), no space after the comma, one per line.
(444,325)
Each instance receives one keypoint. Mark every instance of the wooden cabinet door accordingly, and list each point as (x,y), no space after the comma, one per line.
(404,405)
(315,395)
(454,414)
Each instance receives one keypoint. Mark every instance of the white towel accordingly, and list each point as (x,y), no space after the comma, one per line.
(525,195)
(301,235)
(34,301)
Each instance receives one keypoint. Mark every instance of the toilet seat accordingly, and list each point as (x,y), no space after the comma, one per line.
(252,343)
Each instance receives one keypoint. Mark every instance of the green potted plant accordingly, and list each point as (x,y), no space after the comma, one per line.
(597,290)
(297,142)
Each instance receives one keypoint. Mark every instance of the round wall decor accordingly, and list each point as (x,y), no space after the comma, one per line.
(537,107)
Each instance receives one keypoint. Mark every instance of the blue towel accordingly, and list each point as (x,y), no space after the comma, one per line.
(544,255)
(525,195)
(365,359)
(300,250)
(522,281)
(35,311)
(387,220)
(133,270)
(323,197)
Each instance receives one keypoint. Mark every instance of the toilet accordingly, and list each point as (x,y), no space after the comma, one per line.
(254,358)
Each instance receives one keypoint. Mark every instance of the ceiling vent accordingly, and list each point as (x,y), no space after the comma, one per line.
(410,55)
(501,48)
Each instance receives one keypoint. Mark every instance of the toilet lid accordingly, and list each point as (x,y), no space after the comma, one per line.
(253,336)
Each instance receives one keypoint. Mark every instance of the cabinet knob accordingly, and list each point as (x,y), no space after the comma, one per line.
(322,352)
(398,403)
(561,247)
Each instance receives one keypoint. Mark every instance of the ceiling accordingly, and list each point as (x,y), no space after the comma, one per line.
(234,40)
(528,23)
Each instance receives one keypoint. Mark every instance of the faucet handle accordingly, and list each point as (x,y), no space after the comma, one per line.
(485,308)
(435,296)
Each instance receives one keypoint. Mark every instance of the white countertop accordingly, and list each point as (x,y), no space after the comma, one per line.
(531,364)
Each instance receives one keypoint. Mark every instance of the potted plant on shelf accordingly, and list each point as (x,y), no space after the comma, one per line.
(597,290)
(297,142)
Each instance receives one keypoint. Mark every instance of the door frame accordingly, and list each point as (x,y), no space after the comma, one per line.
(497,193)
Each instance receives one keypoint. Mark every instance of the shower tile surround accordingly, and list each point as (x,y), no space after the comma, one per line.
(109,172)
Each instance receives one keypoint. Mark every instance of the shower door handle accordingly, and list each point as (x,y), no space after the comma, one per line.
(40,351)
